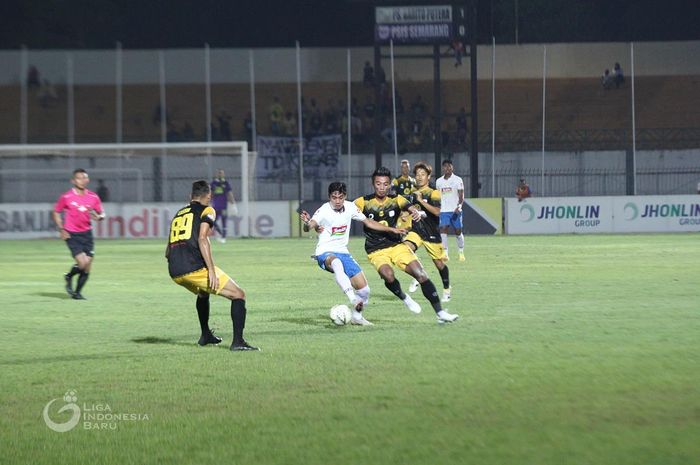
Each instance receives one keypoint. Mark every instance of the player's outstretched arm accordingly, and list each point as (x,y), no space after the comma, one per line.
(309,224)
(371,224)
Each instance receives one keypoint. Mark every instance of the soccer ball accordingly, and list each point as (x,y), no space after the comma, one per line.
(340,314)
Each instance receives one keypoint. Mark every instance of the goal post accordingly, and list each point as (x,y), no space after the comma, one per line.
(132,172)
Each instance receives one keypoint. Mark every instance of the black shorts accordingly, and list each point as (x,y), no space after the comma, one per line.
(81,242)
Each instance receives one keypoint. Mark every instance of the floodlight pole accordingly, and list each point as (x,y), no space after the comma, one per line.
(474,156)
(437,108)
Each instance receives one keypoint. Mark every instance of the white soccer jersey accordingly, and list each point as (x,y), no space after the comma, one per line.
(336,227)
(448,190)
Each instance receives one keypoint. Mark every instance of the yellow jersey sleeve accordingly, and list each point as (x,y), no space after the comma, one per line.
(360,203)
(210,213)
(402,202)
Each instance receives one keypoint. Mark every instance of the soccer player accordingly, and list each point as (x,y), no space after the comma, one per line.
(191,265)
(451,190)
(332,221)
(79,206)
(385,249)
(221,196)
(404,185)
(427,231)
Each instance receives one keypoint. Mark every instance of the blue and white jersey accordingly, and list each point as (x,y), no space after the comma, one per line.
(336,226)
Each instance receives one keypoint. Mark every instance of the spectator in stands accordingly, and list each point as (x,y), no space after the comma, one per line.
(368,75)
(418,108)
(224,120)
(457,47)
(523,190)
(102,190)
(618,77)
(187,131)
(248,128)
(369,109)
(315,122)
(33,77)
(290,124)
(330,119)
(607,80)
(47,94)
(276,114)
(461,121)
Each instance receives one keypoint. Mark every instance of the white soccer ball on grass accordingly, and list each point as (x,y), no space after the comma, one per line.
(340,315)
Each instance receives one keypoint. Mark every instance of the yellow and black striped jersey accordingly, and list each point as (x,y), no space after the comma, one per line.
(184,255)
(403,185)
(429,227)
(386,212)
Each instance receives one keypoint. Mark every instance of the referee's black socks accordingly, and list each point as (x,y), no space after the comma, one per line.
(82,279)
(73,271)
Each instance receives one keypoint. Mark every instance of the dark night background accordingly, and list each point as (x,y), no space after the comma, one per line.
(45,24)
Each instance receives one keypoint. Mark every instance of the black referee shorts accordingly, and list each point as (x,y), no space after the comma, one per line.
(81,242)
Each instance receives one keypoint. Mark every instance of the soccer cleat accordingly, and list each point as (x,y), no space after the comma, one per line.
(78,296)
(241,346)
(208,338)
(414,286)
(444,317)
(461,257)
(69,285)
(446,295)
(360,321)
(222,240)
(412,305)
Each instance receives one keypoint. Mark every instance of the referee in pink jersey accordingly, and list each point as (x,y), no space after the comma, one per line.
(72,214)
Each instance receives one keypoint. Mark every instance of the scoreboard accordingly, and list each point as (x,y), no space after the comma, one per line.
(434,24)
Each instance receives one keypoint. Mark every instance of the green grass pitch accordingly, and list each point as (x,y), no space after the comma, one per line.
(569,350)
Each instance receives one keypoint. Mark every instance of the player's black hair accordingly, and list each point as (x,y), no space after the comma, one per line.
(446,161)
(337,186)
(381,171)
(423,165)
(200,188)
(79,170)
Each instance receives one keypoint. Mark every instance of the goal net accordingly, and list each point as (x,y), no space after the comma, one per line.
(129,174)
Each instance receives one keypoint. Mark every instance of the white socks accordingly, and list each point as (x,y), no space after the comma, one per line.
(460,243)
(342,279)
(443,236)
(363,294)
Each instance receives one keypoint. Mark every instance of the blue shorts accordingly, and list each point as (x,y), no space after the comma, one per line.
(349,264)
(451,219)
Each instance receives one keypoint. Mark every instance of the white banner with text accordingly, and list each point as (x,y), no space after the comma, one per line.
(585,215)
